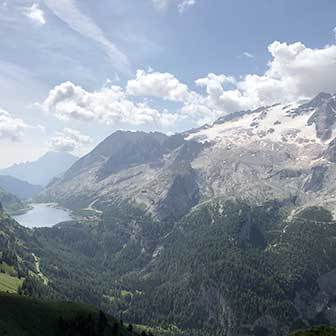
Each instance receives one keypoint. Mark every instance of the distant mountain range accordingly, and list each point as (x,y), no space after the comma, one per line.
(19,188)
(43,170)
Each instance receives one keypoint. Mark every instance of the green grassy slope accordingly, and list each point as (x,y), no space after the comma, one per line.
(318,331)
(9,283)
(23,316)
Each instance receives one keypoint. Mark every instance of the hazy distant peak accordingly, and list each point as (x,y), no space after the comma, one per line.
(42,170)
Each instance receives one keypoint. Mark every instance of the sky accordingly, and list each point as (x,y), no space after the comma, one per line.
(74,71)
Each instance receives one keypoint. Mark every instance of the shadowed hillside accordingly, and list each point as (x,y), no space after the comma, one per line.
(23,316)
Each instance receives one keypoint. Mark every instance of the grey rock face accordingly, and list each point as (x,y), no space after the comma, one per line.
(324,118)
(330,153)
(316,102)
(135,149)
(182,195)
(118,151)
(315,182)
(288,173)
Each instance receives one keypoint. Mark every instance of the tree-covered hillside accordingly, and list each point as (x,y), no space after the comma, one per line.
(226,268)
(23,316)
(11,202)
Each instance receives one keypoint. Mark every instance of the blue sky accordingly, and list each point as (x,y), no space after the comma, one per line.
(73,71)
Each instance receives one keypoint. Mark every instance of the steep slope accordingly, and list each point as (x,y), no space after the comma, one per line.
(43,170)
(22,316)
(133,166)
(244,270)
(18,263)
(226,268)
(19,188)
(11,202)
(31,313)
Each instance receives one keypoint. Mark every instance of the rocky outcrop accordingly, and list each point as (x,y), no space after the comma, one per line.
(330,152)
(310,106)
(315,181)
(324,118)
(182,195)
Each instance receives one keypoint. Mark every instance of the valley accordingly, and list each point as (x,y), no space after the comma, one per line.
(167,168)
(228,229)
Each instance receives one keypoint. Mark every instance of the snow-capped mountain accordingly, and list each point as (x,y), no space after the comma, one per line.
(296,123)
(284,152)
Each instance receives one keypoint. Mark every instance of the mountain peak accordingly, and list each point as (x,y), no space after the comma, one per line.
(42,170)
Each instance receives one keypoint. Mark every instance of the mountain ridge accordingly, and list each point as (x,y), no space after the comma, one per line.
(42,170)
(259,143)
(21,189)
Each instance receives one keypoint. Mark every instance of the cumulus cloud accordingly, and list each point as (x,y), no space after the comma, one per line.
(35,14)
(184,5)
(69,140)
(295,72)
(109,106)
(11,128)
(157,84)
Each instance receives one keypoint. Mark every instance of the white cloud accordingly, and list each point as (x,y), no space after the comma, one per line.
(294,72)
(218,100)
(68,12)
(69,140)
(35,14)
(109,106)
(161,4)
(184,5)
(247,54)
(157,84)
(11,128)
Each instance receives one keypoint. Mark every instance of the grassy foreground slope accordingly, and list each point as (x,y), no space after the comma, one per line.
(23,316)
(9,283)
(318,331)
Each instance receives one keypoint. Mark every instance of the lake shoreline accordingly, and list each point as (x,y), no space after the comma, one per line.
(42,215)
